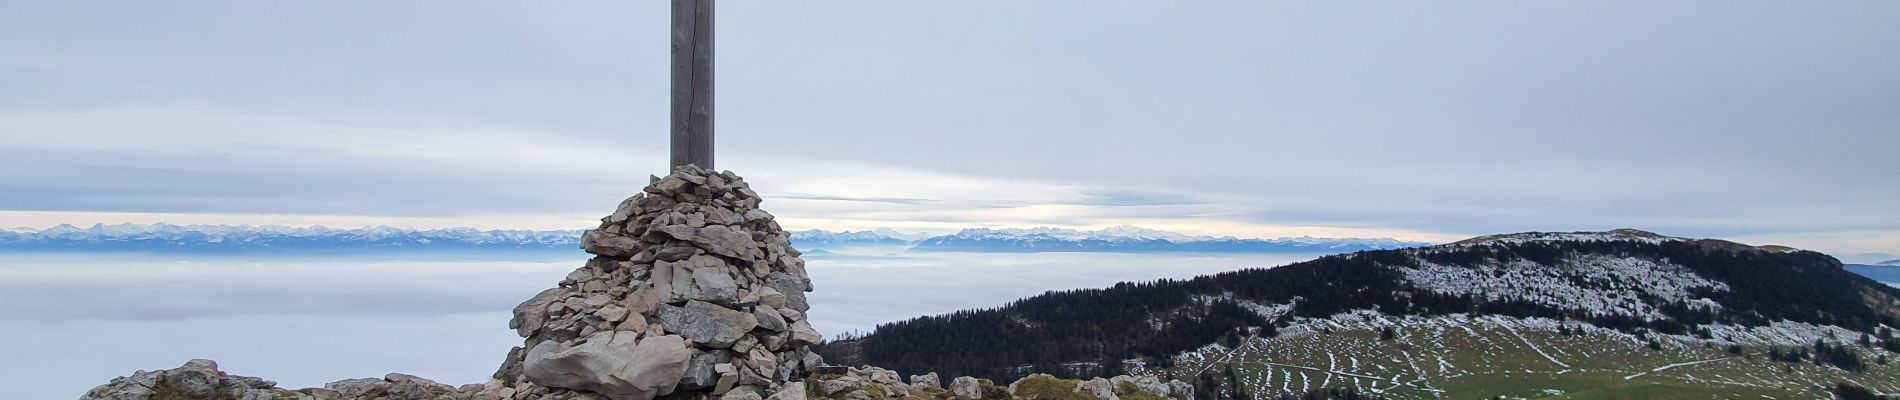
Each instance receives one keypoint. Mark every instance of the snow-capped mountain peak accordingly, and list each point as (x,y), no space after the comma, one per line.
(839,235)
(900,235)
(172,236)
(1115,233)
(1136,232)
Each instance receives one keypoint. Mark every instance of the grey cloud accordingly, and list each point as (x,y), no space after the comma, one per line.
(1138,198)
(1089,197)
(319,185)
(1463,117)
(1098,197)
(822,197)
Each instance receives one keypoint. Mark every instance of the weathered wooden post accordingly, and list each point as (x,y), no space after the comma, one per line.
(692,117)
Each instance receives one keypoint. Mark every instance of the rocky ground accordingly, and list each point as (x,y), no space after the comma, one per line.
(694,292)
(201,380)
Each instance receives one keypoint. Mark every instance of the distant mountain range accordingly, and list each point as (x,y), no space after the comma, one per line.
(1139,240)
(241,238)
(1887,272)
(279,239)
(819,238)
(164,237)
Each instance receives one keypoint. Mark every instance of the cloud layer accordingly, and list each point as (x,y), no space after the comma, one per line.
(305,322)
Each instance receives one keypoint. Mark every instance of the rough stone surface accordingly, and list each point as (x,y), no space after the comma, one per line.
(743,393)
(792,287)
(354,387)
(770,297)
(716,239)
(706,323)
(201,379)
(1105,388)
(713,284)
(617,364)
(964,387)
(701,371)
(1146,383)
(609,244)
(790,392)
(1099,388)
(769,318)
(925,381)
(803,334)
(417,381)
(1179,388)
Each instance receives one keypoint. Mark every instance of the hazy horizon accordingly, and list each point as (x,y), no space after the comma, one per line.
(1848,257)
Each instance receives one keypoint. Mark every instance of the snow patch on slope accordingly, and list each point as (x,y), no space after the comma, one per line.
(1598,285)
(1125,233)
(1527,237)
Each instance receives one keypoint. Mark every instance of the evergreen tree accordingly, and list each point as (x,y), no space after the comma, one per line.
(1848,391)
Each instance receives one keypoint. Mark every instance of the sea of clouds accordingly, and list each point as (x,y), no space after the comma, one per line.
(69,322)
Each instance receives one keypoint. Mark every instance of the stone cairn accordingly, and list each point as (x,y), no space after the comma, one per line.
(692,289)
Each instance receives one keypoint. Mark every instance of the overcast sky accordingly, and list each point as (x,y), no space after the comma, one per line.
(1759,121)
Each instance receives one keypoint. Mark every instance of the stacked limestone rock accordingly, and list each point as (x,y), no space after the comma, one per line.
(692,288)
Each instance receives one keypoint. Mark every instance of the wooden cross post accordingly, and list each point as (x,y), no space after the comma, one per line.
(693,83)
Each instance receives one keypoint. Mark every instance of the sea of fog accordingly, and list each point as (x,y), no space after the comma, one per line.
(69,322)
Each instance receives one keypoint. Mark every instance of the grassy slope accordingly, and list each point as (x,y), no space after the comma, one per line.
(1481,359)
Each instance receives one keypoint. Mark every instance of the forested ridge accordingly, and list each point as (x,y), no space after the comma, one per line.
(1089,331)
